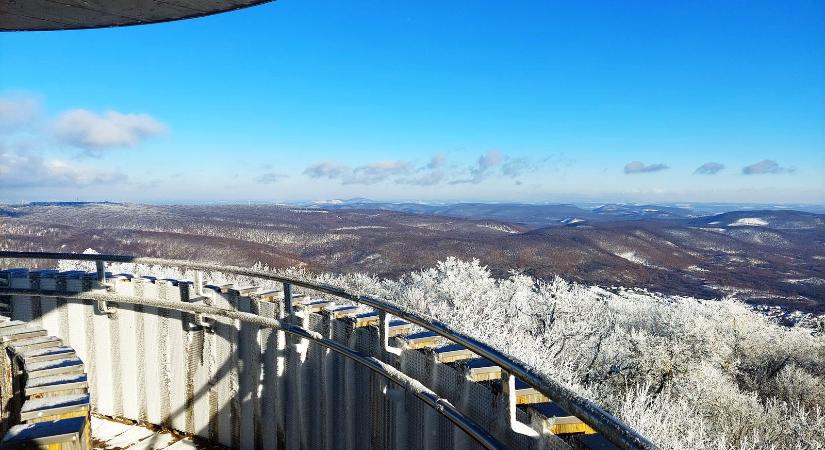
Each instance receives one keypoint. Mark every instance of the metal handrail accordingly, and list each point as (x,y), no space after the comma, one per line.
(613,429)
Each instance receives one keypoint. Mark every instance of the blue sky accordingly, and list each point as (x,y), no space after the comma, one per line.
(531,101)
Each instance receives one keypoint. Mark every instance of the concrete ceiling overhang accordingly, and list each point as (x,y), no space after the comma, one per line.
(42,15)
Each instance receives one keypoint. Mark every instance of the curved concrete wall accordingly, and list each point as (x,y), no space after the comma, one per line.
(254,388)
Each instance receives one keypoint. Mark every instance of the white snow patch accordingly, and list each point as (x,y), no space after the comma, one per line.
(497,227)
(814,281)
(632,257)
(749,222)
(322,211)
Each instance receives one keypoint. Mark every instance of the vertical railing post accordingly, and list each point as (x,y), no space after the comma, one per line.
(384,332)
(288,312)
(198,283)
(102,305)
(508,384)
(100,266)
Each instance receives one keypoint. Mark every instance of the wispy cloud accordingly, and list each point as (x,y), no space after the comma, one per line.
(99,132)
(18,110)
(378,172)
(438,161)
(271,177)
(765,167)
(434,172)
(634,167)
(487,161)
(516,167)
(482,168)
(428,175)
(367,174)
(327,169)
(709,168)
(426,179)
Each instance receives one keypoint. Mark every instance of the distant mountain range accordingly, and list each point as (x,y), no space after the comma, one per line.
(768,256)
(539,215)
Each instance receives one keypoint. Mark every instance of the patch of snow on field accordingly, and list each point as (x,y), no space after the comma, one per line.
(360,227)
(498,227)
(759,236)
(813,281)
(322,211)
(712,230)
(749,222)
(632,257)
(678,233)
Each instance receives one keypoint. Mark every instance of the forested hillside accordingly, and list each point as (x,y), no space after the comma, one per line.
(771,258)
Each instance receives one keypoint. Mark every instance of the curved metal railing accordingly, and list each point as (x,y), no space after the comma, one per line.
(613,429)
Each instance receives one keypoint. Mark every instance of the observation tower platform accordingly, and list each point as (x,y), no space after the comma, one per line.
(103,360)
(51,15)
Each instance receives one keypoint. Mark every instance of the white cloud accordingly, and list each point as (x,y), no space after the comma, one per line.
(430,174)
(23,163)
(517,166)
(709,168)
(367,174)
(483,167)
(98,132)
(488,160)
(20,170)
(327,169)
(378,172)
(639,167)
(18,110)
(766,166)
(437,161)
(271,177)
(430,178)
(434,172)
